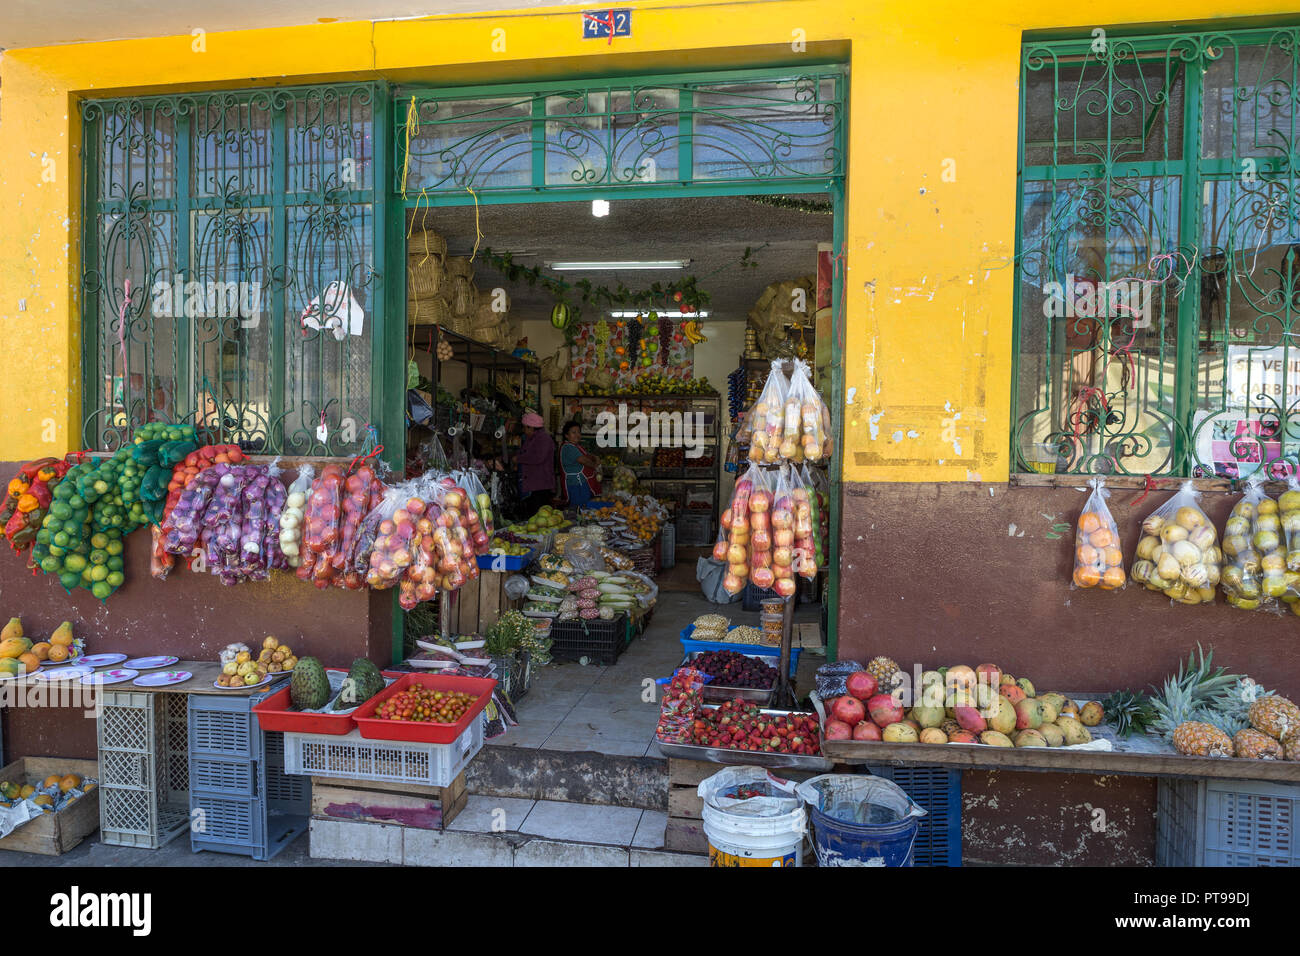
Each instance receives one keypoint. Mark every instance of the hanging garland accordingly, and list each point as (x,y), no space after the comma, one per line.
(799,205)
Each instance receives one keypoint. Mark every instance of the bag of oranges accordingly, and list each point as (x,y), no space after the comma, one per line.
(1178,553)
(1254,556)
(1098,560)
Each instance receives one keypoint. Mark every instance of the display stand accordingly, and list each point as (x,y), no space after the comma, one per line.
(784,697)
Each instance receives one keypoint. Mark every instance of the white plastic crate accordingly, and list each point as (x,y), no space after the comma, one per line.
(1227,823)
(395,761)
(144,787)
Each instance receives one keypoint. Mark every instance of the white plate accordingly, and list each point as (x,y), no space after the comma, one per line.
(114,676)
(469,645)
(149,663)
(100,660)
(438,648)
(550,614)
(265,680)
(162,678)
(424,665)
(63,673)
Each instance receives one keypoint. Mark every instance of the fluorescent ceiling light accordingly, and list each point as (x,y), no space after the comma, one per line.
(633,315)
(660,264)
(600,208)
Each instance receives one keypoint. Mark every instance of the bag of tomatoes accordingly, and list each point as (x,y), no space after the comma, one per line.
(1098,560)
(1178,553)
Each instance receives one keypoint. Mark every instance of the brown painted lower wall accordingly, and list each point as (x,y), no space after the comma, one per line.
(191,615)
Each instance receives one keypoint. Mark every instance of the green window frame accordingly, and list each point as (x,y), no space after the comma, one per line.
(1158,255)
(232,250)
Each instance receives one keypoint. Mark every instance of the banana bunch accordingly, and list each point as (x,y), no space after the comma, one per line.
(694,334)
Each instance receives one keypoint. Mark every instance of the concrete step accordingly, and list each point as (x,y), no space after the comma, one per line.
(507,831)
(570,776)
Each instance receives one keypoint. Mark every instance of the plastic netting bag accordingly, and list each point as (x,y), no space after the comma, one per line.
(683,696)
(803,436)
(1178,553)
(293,515)
(1254,560)
(766,419)
(832,679)
(1098,560)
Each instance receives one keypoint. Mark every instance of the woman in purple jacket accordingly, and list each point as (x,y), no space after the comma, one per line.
(536,466)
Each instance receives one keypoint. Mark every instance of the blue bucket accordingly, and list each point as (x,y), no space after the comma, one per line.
(861,820)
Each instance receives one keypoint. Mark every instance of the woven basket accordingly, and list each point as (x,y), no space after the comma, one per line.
(459,266)
(458,324)
(425,242)
(428,311)
(462,295)
(423,280)
(484,318)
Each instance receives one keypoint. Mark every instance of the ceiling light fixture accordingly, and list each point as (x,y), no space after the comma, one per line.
(600,208)
(648,266)
(633,315)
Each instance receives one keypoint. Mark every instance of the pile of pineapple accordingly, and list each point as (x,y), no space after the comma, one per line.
(1207,713)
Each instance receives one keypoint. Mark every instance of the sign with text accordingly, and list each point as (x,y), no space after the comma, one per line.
(606,24)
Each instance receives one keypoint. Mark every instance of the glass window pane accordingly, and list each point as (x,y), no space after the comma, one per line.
(617,136)
(330,140)
(484,143)
(766,130)
(1112,109)
(1250,101)
(230,151)
(1098,326)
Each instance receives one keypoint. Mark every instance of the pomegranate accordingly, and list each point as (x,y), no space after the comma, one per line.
(866,731)
(862,685)
(837,730)
(849,710)
(884,709)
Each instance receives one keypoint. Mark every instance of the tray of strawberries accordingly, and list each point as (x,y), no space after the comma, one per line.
(741,732)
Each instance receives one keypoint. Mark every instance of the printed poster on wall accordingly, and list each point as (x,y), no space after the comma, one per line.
(1249,434)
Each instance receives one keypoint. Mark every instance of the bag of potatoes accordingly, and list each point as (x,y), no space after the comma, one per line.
(1254,558)
(1178,553)
(1098,560)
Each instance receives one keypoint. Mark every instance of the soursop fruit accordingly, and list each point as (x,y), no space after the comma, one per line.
(363,682)
(309,687)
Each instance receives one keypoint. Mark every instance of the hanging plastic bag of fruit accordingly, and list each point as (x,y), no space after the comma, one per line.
(320,539)
(394,527)
(1254,562)
(1098,560)
(734,534)
(293,515)
(476,512)
(804,436)
(805,562)
(767,418)
(1178,553)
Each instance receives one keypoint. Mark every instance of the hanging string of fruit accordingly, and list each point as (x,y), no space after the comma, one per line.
(602,341)
(665,339)
(634,329)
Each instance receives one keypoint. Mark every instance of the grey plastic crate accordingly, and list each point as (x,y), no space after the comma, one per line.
(241,799)
(143,798)
(1232,823)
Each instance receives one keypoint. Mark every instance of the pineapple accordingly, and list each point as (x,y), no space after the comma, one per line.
(889,676)
(1188,697)
(1198,739)
(1291,745)
(1275,716)
(1230,711)
(1130,712)
(1256,744)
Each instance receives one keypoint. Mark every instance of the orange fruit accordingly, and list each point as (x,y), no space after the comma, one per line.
(41,650)
(58,652)
(1112,579)
(1087,554)
(1089,522)
(51,781)
(1113,557)
(1087,577)
(1101,538)
(69,782)
(30,661)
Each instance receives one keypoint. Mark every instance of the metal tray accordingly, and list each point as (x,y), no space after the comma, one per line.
(746,758)
(717,693)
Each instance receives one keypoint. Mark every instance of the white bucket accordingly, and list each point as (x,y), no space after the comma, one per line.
(739,840)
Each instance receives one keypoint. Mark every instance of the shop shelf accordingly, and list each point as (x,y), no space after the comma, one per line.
(938,791)
(601,642)
(1233,823)
(374,728)
(689,646)
(354,757)
(144,767)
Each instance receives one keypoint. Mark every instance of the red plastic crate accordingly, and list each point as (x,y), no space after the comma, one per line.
(416,731)
(276,713)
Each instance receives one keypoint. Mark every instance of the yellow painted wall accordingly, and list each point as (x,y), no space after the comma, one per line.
(928,295)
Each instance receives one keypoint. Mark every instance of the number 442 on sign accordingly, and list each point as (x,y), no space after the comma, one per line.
(606,24)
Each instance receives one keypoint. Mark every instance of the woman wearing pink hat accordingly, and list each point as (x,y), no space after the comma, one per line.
(536,466)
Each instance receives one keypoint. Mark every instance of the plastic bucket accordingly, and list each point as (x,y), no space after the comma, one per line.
(752,818)
(737,840)
(861,821)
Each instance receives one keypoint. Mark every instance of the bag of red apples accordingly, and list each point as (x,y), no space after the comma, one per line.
(766,535)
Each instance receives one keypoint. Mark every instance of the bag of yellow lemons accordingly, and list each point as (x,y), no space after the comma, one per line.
(1178,553)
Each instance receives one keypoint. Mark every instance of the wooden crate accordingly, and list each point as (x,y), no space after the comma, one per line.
(53,834)
(479,603)
(685,831)
(398,804)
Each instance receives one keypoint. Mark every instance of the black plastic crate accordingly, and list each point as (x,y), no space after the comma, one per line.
(938,791)
(601,642)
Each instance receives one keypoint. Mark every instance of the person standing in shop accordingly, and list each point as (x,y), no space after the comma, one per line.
(536,460)
(581,468)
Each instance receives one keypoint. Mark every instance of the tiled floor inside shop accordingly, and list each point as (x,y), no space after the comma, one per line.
(604,711)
